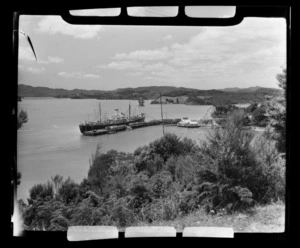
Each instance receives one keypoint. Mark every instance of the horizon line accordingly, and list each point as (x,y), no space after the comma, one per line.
(229,87)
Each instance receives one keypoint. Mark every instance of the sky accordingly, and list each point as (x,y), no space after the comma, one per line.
(104,57)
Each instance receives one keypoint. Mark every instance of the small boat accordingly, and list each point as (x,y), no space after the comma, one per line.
(186,122)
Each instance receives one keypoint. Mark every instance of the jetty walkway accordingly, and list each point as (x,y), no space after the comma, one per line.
(119,128)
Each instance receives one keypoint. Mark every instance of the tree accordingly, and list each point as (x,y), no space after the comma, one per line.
(227,165)
(277,114)
(259,115)
(68,191)
(57,181)
(21,118)
(41,191)
(281,77)
(19,175)
(99,171)
(166,146)
(222,111)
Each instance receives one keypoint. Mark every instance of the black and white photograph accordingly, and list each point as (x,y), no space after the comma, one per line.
(152,125)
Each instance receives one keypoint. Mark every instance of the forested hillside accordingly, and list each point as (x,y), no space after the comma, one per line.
(190,96)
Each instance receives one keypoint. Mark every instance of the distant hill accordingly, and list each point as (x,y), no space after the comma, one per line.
(184,95)
(249,89)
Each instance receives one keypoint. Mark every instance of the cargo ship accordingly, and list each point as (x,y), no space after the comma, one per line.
(117,119)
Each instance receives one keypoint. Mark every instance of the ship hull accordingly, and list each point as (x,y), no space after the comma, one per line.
(188,126)
(95,126)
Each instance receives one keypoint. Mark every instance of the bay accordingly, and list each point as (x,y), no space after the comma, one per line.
(50,142)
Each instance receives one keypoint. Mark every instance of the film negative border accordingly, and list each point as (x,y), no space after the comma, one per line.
(84,233)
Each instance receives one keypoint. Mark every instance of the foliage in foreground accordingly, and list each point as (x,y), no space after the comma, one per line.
(167,179)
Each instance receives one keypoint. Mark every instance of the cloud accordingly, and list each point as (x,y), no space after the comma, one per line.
(34,70)
(156,54)
(212,58)
(168,37)
(55,59)
(25,53)
(56,25)
(136,73)
(154,67)
(90,76)
(122,65)
(77,75)
(68,74)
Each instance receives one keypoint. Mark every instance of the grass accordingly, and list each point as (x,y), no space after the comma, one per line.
(269,218)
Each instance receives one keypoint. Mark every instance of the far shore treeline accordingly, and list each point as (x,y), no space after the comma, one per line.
(170,95)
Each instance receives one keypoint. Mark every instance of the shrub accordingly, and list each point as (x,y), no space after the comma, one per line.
(69,191)
(260,117)
(58,223)
(188,201)
(221,111)
(277,113)
(226,162)
(89,211)
(100,170)
(272,166)
(122,214)
(160,209)
(188,146)
(160,184)
(166,146)
(139,191)
(41,191)
(185,168)
(21,118)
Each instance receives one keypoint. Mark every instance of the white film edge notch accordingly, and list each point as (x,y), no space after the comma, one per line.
(208,232)
(150,231)
(80,233)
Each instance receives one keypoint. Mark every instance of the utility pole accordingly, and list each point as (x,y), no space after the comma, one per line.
(162,117)
(100,110)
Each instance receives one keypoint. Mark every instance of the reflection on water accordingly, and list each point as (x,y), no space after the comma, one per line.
(51,143)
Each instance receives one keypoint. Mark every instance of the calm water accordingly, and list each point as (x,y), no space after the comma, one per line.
(50,142)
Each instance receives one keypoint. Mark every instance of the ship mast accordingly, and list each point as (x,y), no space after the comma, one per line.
(100,110)
(162,117)
(129,110)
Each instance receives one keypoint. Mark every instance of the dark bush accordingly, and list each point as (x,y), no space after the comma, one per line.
(227,162)
(169,145)
(69,191)
(41,191)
